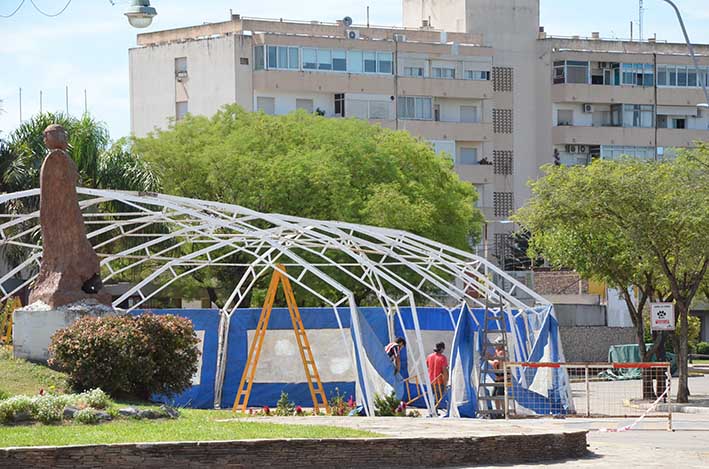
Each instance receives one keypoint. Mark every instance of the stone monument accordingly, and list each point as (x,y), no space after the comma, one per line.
(69,282)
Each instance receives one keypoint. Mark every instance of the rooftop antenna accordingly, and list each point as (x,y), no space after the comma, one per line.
(641,10)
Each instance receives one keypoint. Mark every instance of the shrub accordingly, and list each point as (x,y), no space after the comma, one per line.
(387,406)
(95,398)
(284,407)
(13,406)
(702,348)
(48,408)
(86,416)
(4,395)
(133,356)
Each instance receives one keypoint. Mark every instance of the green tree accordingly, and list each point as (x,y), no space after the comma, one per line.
(630,224)
(310,166)
(101,165)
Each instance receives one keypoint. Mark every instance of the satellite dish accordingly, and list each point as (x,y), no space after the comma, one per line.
(347,21)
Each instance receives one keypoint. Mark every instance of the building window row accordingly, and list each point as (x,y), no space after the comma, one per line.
(603,73)
(358,61)
(311,58)
(415,107)
(681,76)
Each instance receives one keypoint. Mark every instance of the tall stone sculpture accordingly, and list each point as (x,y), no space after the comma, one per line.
(70,269)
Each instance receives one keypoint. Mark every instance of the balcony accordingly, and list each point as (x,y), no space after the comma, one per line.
(445,88)
(323,82)
(603,136)
(680,137)
(601,94)
(475,173)
(434,130)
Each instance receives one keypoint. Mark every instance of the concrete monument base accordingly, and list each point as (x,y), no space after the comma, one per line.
(34,325)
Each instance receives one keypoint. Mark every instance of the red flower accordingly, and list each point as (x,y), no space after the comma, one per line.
(266,410)
(298,410)
(41,391)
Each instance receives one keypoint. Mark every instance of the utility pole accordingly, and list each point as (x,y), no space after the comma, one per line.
(641,10)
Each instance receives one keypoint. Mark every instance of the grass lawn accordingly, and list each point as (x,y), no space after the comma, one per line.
(193,425)
(700,362)
(22,377)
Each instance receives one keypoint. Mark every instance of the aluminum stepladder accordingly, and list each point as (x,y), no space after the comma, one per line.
(317,391)
(494,334)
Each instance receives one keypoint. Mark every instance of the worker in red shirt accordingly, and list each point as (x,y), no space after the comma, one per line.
(437,364)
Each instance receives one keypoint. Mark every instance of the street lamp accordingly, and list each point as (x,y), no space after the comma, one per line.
(140,14)
(705,104)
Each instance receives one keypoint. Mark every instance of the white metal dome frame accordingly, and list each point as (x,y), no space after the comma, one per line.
(442,276)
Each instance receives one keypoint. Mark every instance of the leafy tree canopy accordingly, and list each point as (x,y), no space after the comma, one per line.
(629,223)
(309,166)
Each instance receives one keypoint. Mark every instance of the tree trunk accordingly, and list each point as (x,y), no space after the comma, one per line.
(683,353)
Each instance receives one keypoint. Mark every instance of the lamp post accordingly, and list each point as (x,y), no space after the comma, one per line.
(140,14)
(705,104)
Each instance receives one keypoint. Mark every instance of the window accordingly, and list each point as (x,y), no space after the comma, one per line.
(469,114)
(310,58)
(272,57)
(638,74)
(638,115)
(661,75)
(304,104)
(411,107)
(354,58)
(576,71)
(368,109)
(181,110)
(340,104)
(384,62)
(294,58)
(282,57)
(681,75)
(266,104)
(616,152)
(324,59)
(476,75)
(571,71)
(564,117)
(370,62)
(339,60)
(259,63)
(559,72)
(443,72)
(181,64)
(467,156)
(243,61)
(413,71)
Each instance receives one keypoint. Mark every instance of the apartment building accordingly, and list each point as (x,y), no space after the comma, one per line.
(478,79)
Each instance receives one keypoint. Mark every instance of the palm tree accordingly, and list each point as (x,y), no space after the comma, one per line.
(100,164)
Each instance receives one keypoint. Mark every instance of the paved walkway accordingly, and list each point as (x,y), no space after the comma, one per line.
(649,445)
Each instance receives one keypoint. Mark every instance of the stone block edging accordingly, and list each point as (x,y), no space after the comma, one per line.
(311,453)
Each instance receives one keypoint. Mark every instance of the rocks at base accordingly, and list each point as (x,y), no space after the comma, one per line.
(170,411)
(21,417)
(128,412)
(103,416)
(148,414)
(69,412)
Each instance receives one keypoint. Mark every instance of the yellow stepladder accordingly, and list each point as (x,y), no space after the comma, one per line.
(317,391)
(6,326)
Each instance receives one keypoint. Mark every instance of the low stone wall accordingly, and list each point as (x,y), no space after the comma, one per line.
(591,343)
(379,452)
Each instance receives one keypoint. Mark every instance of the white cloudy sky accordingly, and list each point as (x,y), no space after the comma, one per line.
(86,47)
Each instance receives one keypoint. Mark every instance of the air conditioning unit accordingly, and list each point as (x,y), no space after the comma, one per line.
(399,37)
(587,108)
(581,148)
(352,34)
(571,149)
(603,65)
(181,76)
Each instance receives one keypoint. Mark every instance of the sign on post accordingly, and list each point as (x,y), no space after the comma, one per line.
(662,316)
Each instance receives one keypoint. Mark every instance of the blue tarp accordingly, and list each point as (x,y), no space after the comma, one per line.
(373,322)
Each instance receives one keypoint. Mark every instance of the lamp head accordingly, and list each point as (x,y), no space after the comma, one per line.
(140,14)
